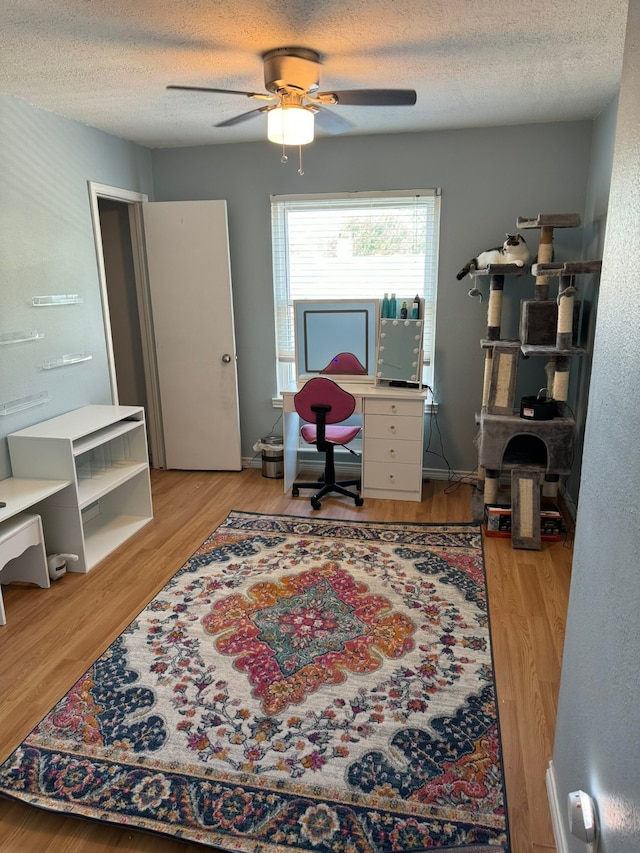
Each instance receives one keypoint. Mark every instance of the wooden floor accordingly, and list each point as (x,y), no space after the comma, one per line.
(53,635)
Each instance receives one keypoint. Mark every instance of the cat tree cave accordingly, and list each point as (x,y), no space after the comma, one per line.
(535,449)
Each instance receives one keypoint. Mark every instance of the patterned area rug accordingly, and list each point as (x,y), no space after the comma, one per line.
(299,685)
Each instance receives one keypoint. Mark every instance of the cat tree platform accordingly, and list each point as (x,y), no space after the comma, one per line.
(550,220)
(500,269)
(568,268)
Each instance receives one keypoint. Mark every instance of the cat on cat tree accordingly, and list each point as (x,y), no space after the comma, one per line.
(514,250)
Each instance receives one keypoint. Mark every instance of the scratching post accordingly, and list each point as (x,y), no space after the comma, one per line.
(545,256)
(494,309)
(502,385)
(550,486)
(491,486)
(525,508)
(488,366)
(566,299)
(550,371)
(561,379)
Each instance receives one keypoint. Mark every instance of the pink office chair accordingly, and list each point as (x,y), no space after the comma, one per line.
(324,405)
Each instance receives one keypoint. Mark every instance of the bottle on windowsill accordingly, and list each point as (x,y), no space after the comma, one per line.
(404,311)
(385,306)
(393,307)
(415,308)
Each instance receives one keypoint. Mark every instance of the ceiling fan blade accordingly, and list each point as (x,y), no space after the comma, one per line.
(372,97)
(242,117)
(258,95)
(331,122)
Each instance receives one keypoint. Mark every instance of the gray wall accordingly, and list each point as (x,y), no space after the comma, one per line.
(604,131)
(46,248)
(488,178)
(598,724)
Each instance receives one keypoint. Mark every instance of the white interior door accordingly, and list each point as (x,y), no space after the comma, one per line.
(190,286)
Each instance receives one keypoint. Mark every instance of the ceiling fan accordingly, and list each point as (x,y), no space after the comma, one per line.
(291,77)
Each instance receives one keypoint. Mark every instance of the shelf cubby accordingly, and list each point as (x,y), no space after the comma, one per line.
(102,451)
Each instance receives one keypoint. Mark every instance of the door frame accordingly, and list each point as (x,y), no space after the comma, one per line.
(133,200)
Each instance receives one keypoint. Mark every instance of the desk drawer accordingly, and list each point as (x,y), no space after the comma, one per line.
(388,450)
(397,428)
(406,408)
(391,475)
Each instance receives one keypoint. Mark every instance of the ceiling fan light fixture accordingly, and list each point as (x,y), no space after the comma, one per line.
(290,124)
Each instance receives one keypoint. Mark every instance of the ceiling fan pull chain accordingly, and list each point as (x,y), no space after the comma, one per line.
(300,169)
(284,157)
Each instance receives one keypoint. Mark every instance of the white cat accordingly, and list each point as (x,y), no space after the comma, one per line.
(514,250)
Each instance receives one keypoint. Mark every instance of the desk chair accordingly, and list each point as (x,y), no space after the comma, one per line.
(323,403)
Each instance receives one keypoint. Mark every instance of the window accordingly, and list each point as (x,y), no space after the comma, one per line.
(353,246)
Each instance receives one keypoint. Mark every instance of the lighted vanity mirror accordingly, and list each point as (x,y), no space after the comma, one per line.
(399,356)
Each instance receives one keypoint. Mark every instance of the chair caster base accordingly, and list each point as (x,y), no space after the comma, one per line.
(315,503)
(295,492)
(359,501)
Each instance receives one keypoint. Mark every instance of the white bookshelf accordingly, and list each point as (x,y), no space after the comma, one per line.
(102,451)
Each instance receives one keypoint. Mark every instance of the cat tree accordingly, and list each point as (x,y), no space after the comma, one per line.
(537,452)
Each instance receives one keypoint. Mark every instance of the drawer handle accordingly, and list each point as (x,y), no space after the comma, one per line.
(392,428)
(391,476)
(393,407)
(392,452)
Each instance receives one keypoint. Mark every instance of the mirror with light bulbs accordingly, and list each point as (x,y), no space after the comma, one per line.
(399,352)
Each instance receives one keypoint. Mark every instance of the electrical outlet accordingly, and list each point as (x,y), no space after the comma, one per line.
(582,818)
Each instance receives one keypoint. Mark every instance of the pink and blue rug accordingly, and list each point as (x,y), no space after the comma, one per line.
(300,684)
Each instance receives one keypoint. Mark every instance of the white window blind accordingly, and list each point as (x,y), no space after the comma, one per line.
(353,246)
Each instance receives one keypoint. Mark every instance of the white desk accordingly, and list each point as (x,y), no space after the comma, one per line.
(392,439)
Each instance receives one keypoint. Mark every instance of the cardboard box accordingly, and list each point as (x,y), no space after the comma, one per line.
(497,520)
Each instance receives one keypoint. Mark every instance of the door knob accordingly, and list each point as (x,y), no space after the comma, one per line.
(226,358)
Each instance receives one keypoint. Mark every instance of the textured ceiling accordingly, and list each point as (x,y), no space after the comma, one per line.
(472,62)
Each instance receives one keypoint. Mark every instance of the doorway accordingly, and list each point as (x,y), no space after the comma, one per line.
(117,226)
(117,251)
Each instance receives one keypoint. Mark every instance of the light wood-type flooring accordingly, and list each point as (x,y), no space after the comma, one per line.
(52,636)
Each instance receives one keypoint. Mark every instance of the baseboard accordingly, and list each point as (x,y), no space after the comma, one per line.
(556,811)
(570,503)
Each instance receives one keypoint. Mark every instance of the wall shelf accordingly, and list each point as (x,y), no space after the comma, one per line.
(57,299)
(64,360)
(22,403)
(19,337)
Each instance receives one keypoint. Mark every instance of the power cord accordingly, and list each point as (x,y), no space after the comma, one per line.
(455,480)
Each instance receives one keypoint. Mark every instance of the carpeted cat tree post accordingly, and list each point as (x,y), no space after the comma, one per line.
(496,387)
(540,315)
(537,452)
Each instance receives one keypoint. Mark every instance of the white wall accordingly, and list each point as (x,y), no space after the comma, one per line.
(597,743)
